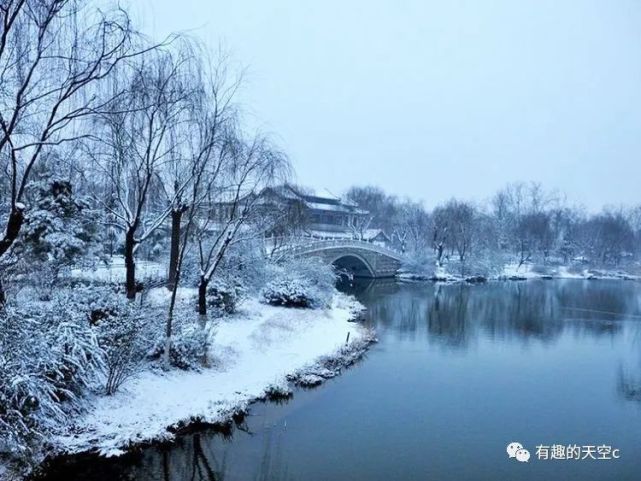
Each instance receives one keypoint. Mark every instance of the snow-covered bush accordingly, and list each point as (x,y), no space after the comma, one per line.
(124,332)
(288,292)
(224,295)
(300,283)
(190,343)
(49,355)
(124,338)
(189,347)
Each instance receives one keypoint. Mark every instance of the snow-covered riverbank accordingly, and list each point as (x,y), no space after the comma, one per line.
(254,353)
(514,272)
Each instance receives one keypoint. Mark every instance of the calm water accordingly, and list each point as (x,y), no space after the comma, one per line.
(460,371)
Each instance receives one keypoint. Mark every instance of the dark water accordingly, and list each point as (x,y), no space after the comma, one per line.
(460,371)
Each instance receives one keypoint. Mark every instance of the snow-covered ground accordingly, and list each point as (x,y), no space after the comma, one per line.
(253,352)
(114,270)
(523,272)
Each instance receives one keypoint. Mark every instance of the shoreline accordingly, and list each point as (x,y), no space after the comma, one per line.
(262,353)
(328,367)
(221,414)
(510,274)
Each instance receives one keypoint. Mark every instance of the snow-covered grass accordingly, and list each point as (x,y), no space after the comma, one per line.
(253,353)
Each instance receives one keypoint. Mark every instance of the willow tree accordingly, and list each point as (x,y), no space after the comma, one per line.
(54,58)
(251,165)
(136,144)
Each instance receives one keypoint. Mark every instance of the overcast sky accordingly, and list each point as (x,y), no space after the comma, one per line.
(437,99)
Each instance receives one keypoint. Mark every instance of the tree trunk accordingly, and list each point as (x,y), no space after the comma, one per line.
(14,224)
(3,297)
(202,296)
(130,265)
(176,219)
(439,255)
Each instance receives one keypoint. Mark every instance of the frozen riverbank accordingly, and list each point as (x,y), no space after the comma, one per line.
(514,272)
(255,352)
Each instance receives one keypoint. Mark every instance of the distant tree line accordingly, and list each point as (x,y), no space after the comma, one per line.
(522,223)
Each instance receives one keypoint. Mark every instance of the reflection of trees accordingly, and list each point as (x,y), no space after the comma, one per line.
(272,466)
(629,378)
(629,386)
(209,457)
(191,458)
(448,315)
(454,314)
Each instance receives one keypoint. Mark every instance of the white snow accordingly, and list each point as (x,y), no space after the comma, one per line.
(253,350)
(115,270)
(529,271)
(523,271)
(526,271)
(564,273)
(161,295)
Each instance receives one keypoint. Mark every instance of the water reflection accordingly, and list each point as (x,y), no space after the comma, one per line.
(189,459)
(629,386)
(452,364)
(456,315)
(205,458)
(202,456)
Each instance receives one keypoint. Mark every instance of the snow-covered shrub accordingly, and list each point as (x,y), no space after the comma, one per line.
(300,283)
(49,355)
(190,343)
(485,263)
(189,347)
(122,329)
(223,295)
(123,335)
(288,292)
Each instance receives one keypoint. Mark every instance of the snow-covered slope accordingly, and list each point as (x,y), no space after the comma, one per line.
(253,351)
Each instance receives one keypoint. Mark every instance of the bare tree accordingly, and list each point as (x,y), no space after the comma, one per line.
(54,57)
(533,233)
(360,224)
(252,165)
(415,224)
(283,222)
(440,232)
(455,228)
(136,147)
(381,206)
(211,116)
(523,216)
(209,149)
(609,236)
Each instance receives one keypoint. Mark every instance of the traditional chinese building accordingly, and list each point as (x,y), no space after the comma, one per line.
(322,214)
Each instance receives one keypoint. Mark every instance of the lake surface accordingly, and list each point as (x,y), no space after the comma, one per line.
(460,371)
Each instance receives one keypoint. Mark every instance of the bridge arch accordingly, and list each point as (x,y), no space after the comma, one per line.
(355,264)
(360,258)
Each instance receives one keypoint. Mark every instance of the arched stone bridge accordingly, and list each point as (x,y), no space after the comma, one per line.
(358,258)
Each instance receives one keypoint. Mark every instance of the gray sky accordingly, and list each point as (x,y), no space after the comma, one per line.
(437,99)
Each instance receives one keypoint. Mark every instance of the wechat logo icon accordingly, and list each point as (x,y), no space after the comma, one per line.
(518,452)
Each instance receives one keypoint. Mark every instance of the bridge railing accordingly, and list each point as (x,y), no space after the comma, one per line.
(307,245)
